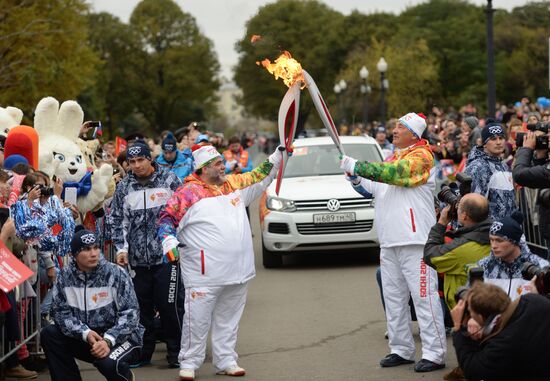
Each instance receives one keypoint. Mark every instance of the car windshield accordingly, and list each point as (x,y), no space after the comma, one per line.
(324,160)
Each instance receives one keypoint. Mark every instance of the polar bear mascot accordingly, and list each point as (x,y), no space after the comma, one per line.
(9,117)
(60,155)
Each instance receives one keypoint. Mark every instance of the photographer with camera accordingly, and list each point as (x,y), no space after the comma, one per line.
(511,341)
(532,170)
(503,266)
(470,242)
(490,176)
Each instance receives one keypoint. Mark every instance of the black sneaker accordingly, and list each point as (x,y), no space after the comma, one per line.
(427,366)
(394,360)
(35,364)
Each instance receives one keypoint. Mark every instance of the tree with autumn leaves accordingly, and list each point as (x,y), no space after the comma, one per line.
(158,71)
(435,53)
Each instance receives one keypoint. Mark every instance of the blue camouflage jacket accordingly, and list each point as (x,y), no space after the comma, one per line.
(508,275)
(102,300)
(134,212)
(493,179)
(182,166)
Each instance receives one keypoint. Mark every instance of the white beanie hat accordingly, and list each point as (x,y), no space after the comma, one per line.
(204,155)
(416,123)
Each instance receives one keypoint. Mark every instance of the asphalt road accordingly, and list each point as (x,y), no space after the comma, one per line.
(318,318)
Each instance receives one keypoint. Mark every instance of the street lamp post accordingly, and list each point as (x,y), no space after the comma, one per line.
(491,90)
(365,90)
(339,89)
(382,66)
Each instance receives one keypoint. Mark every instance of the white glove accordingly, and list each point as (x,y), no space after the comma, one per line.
(348,165)
(276,158)
(355,180)
(170,248)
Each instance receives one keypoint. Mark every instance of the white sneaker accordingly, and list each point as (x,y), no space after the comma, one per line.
(187,374)
(234,371)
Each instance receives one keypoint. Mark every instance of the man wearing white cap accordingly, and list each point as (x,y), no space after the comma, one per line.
(206,220)
(404,212)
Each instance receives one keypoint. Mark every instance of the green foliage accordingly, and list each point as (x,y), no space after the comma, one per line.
(174,65)
(412,76)
(309,31)
(44,51)
(455,32)
(109,99)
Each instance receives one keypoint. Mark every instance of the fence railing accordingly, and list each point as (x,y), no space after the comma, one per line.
(20,327)
(526,202)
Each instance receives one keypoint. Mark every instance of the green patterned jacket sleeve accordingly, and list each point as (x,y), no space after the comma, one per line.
(410,171)
(244,180)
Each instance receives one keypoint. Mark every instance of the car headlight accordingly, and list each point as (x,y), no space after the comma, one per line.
(280,204)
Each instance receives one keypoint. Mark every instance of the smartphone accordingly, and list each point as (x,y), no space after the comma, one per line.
(97,129)
(70,195)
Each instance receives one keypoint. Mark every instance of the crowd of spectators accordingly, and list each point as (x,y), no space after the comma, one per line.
(37,226)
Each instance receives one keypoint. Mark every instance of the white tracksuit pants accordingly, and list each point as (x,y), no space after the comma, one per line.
(220,307)
(403,272)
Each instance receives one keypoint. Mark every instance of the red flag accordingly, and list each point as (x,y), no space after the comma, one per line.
(120,145)
(12,271)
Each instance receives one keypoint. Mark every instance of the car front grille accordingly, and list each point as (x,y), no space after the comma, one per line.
(348,227)
(345,203)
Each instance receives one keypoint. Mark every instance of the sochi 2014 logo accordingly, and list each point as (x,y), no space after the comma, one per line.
(88,239)
(495,227)
(134,150)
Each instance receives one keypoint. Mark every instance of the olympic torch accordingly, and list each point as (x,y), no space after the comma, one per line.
(322,110)
(288,118)
(296,78)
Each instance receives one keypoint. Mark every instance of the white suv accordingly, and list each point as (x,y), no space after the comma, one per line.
(317,208)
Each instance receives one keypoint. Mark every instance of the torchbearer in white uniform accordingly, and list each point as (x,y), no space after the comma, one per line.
(205,221)
(404,213)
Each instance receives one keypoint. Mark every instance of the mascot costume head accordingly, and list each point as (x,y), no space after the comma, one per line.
(9,117)
(60,155)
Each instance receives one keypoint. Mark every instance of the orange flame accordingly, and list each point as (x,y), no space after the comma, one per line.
(285,67)
(254,38)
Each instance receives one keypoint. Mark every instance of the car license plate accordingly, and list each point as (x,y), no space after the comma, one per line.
(333,218)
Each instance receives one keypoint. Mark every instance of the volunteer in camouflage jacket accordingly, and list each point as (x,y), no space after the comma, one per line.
(135,208)
(93,303)
(491,177)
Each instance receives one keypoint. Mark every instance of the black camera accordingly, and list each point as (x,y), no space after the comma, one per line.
(539,126)
(529,270)
(45,190)
(541,142)
(475,274)
(451,194)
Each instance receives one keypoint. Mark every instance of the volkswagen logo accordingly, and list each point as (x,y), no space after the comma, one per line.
(333,205)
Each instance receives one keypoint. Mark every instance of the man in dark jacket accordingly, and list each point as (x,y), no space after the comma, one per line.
(490,176)
(137,202)
(532,170)
(470,243)
(96,316)
(514,337)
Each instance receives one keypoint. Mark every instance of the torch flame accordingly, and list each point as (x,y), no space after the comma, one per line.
(285,67)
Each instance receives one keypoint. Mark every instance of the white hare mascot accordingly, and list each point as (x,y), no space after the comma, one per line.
(9,117)
(60,155)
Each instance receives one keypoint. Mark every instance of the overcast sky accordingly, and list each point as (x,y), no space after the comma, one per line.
(223,20)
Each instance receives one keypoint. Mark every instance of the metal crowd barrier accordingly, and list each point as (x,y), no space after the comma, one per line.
(29,324)
(526,202)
